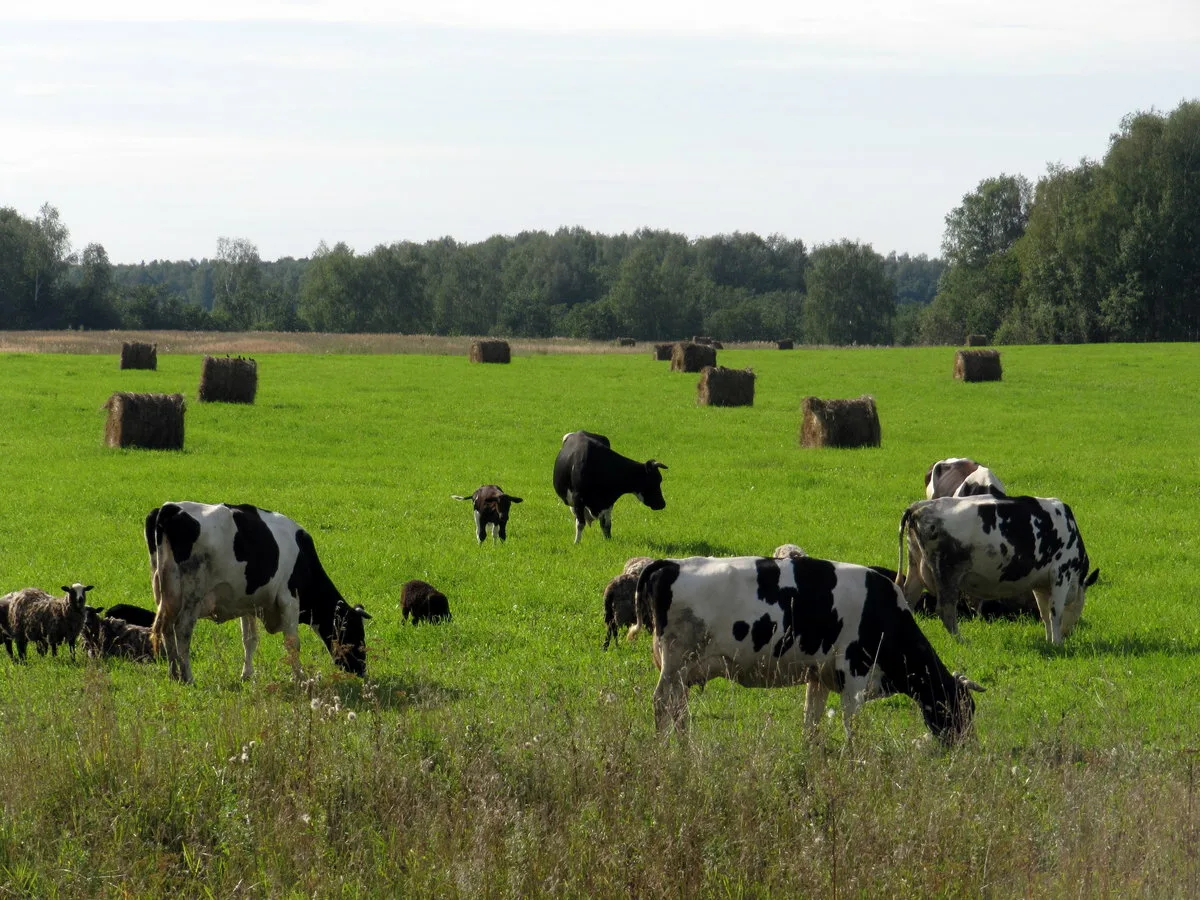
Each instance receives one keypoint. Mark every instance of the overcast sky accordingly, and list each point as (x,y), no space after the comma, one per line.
(169,124)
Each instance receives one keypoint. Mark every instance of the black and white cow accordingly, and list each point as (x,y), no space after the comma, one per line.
(774,622)
(590,477)
(491,508)
(961,477)
(223,562)
(997,547)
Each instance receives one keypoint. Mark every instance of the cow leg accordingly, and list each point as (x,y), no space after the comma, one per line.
(1057,601)
(1045,605)
(249,645)
(179,640)
(816,695)
(852,698)
(605,518)
(291,636)
(947,584)
(1074,606)
(580,521)
(670,703)
(480,528)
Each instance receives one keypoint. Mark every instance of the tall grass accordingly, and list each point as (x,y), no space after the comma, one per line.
(505,753)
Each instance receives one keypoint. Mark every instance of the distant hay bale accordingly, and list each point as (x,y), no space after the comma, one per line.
(148,421)
(663,351)
(840,423)
(717,345)
(785,345)
(626,342)
(135,355)
(225,379)
(687,356)
(977,365)
(490,352)
(720,386)
(701,339)
(977,340)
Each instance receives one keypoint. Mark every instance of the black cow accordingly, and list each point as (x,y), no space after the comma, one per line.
(225,562)
(775,622)
(491,508)
(590,477)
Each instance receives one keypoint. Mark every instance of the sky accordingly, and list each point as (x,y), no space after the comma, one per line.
(156,128)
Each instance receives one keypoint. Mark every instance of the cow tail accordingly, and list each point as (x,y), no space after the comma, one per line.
(904,520)
(166,599)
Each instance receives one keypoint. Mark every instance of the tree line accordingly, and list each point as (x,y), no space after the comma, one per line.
(1103,251)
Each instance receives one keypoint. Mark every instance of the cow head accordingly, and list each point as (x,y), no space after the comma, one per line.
(349,644)
(650,489)
(949,717)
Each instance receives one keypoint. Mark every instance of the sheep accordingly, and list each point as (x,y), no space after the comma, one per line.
(621,604)
(46,620)
(423,602)
(5,628)
(788,551)
(111,636)
(134,615)
(635,564)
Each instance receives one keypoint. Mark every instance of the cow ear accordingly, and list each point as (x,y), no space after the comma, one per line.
(362,612)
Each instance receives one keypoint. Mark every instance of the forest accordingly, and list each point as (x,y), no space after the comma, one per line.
(1106,250)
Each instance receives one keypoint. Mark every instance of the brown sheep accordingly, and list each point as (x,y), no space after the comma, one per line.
(110,636)
(423,602)
(45,620)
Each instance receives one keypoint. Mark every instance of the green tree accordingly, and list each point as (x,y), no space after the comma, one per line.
(238,295)
(849,299)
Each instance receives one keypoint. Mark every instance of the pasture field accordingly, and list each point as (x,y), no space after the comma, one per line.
(504,753)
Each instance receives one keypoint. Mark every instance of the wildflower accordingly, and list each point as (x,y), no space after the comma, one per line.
(350,717)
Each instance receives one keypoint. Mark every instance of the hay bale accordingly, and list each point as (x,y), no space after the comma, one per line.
(785,345)
(977,340)
(626,342)
(720,386)
(149,421)
(687,356)
(663,351)
(136,355)
(701,339)
(977,365)
(225,379)
(490,352)
(840,423)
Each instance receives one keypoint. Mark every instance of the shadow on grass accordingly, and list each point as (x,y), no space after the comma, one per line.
(394,692)
(680,550)
(1079,645)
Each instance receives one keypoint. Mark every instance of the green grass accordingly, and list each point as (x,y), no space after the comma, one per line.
(505,753)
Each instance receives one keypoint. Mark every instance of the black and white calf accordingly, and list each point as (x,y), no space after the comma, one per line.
(774,622)
(961,477)
(491,509)
(997,547)
(589,477)
(224,562)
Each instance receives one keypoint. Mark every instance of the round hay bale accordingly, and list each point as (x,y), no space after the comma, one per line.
(840,423)
(136,355)
(148,421)
(720,386)
(687,356)
(977,340)
(626,342)
(785,345)
(225,379)
(663,351)
(977,365)
(490,352)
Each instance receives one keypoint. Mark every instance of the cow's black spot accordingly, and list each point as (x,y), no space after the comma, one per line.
(1022,520)
(811,616)
(180,529)
(762,631)
(987,515)
(655,583)
(740,630)
(254,545)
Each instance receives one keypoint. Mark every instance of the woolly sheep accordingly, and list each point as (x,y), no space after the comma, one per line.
(45,620)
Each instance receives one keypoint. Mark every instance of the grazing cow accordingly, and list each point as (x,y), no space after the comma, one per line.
(774,622)
(960,477)
(224,562)
(134,615)
(590,477)
(491,508)
(423,602)
(993,548)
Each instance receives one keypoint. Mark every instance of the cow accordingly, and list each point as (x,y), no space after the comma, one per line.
(223,562)
(960,477)
(996,547)
(764,622)
(491,508)
(589,477)
(134,615)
